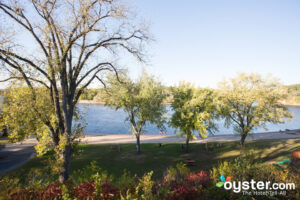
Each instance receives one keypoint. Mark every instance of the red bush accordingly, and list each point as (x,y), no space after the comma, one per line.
(200,178)
(189,188)
(51,192)
(183,192)
(84,191)
(109,192)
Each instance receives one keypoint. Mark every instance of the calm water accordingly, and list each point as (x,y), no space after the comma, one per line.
(100,119)
(104,120)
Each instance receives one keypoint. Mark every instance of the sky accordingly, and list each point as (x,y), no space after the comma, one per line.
(204,42)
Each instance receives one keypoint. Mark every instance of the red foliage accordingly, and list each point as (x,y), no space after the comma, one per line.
(84,191)
(51,192)
(190,188)
(183,192)
(200,178)
(109,192)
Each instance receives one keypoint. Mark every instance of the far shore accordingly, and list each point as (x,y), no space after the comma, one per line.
(102,103)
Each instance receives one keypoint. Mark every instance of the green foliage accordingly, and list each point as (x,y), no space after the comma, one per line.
(197,185)
(194,109)
(238,169)
(25,115)
(251,101)
(144,188)
(177,173)
(8,186)
(92,172)
(3,127)
(127,180)
(65,193)
(89,94)
(141,100)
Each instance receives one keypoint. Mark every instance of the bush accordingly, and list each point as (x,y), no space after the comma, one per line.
(200,178)
(176,174)
(178,183)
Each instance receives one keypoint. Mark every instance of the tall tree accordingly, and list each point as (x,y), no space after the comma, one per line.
(194,110)
(249,101)
(20,116)
(63,46)
(141,100)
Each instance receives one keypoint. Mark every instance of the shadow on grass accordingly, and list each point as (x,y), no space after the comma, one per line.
(158,159)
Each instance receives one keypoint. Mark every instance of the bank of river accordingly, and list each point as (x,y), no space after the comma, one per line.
(105,120)
(102,120)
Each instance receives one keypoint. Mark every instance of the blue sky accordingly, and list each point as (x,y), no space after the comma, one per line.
(205,41)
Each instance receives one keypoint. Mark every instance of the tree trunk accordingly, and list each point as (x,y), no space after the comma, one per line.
(66,154)
(66,157)
(244,135)
(5,132)
(138,145)
(187,145)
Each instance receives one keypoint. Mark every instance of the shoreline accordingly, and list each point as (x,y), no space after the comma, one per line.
(123,139)
(129,139)
(102,103)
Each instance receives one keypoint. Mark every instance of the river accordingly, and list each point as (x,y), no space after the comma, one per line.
(102,120)
(105,120)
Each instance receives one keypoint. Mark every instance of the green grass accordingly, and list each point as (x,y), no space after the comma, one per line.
(159,159)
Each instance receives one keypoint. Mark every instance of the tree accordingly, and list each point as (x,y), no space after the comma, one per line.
(19,116)
(3,127)
(194,110)
(141,100)
(67,45)
(251,101)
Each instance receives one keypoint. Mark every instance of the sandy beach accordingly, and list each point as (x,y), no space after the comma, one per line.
(120,139)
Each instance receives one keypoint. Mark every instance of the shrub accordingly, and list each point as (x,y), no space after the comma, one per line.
(177,184)
(109,192)
(176,174)
(127,183)
(239,169)
(84,191)
(145,186)
(183,191)
(200,178)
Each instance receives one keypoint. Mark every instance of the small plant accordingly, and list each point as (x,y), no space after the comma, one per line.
(144,188)
(177,174)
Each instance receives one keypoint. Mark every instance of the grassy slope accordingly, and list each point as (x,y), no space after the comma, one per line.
(159,159)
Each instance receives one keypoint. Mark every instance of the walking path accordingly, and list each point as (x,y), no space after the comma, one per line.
(14,155)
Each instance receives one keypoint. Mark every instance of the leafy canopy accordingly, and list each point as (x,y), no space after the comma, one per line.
(141,100)
(23,117)
(194,110)
(250,101)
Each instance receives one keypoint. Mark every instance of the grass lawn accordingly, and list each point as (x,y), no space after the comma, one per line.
(159,159)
